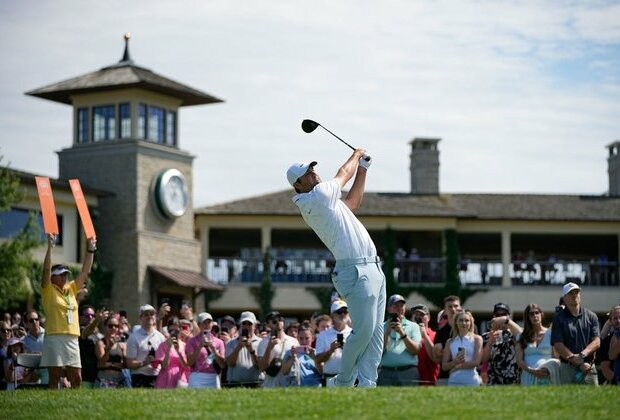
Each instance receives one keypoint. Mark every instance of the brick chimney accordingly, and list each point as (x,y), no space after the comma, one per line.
(424,166)
(613,168)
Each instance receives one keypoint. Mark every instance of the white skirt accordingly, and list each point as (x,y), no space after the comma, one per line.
(61,350)
(204,380)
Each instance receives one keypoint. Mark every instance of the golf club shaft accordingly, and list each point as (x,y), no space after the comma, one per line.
(352,148)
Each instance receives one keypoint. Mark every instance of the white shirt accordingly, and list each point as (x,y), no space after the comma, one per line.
(138,346)
(323,342)
(334,223)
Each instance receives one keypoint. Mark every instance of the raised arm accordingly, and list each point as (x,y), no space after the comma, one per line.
(347,170)
(46,277)
(80,280)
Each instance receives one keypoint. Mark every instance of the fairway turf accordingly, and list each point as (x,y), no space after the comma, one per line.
(499,402)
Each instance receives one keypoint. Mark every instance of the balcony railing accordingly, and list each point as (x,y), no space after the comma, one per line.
(420,271)
(534,273)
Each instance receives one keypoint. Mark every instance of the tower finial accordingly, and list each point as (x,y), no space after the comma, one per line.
(126,58)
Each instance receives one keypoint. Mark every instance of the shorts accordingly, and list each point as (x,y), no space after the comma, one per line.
(61,350)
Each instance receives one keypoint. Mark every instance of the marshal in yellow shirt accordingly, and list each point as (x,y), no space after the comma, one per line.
(56,303)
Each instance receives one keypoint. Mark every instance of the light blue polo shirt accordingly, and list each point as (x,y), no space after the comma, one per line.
(396,353)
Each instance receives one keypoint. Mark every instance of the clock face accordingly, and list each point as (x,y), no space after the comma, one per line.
(171,193)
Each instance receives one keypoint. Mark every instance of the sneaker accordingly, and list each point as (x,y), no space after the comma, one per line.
(331,382)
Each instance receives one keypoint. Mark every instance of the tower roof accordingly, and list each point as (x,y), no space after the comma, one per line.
(122,75)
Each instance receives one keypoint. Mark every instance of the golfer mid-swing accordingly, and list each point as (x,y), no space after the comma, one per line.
(357,275)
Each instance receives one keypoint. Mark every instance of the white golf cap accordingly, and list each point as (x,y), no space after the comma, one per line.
(297,170)
(203,316)
(59,269)
(338,305)
(248,316)
(147,307)
(568,287)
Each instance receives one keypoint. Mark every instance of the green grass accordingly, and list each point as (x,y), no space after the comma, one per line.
(566,402)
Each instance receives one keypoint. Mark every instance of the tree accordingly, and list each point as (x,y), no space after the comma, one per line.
(15,258)
(265,293)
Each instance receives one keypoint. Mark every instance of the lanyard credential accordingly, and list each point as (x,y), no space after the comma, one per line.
(69,308)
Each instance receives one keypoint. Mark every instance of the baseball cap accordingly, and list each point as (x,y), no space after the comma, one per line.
(247,316)
(145,308)
(297,170)
(568,287)
(228,318)
(203,316)
(439,315)
(501,307)
(395,299)
(273,314)
(420,307)
(337,305)
(59,269)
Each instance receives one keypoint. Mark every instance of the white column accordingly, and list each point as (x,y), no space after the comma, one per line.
(204,248)
(265,238)
(506,253)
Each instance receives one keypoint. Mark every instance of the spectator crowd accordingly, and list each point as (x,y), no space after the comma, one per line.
(175,348)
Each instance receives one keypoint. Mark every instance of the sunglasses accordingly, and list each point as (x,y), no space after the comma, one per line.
(342,312)
(32,320)
(535,313)
(113,325)
(6,330)
(88,315)
(148,314)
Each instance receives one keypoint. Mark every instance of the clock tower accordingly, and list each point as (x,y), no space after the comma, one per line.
(125,142)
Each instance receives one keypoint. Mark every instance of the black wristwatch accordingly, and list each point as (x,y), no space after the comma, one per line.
(402,337)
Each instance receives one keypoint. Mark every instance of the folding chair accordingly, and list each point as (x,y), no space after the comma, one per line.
(30,361)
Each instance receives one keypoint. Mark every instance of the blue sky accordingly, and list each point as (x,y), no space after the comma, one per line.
(524,94)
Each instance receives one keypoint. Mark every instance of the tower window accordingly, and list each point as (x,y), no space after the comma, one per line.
(82,125)
(142,121)
(104,122)
(171,128)
(157,124)
(124,116)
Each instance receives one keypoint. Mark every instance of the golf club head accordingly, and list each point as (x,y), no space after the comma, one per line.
(309,126)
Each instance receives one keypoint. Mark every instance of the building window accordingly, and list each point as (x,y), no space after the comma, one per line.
(124,117)
(104,122)
(171,128)
(142,121)
(156,124)
(82,125)
(14,220)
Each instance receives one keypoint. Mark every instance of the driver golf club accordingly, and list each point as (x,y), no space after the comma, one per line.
(309,126)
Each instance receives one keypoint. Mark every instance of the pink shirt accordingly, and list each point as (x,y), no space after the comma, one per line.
(204,363)
(176,372)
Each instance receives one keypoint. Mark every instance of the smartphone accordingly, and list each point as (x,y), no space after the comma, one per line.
(393,317)
(301,349)
(340,338)
(274,333)
(461,350)
(245,333)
